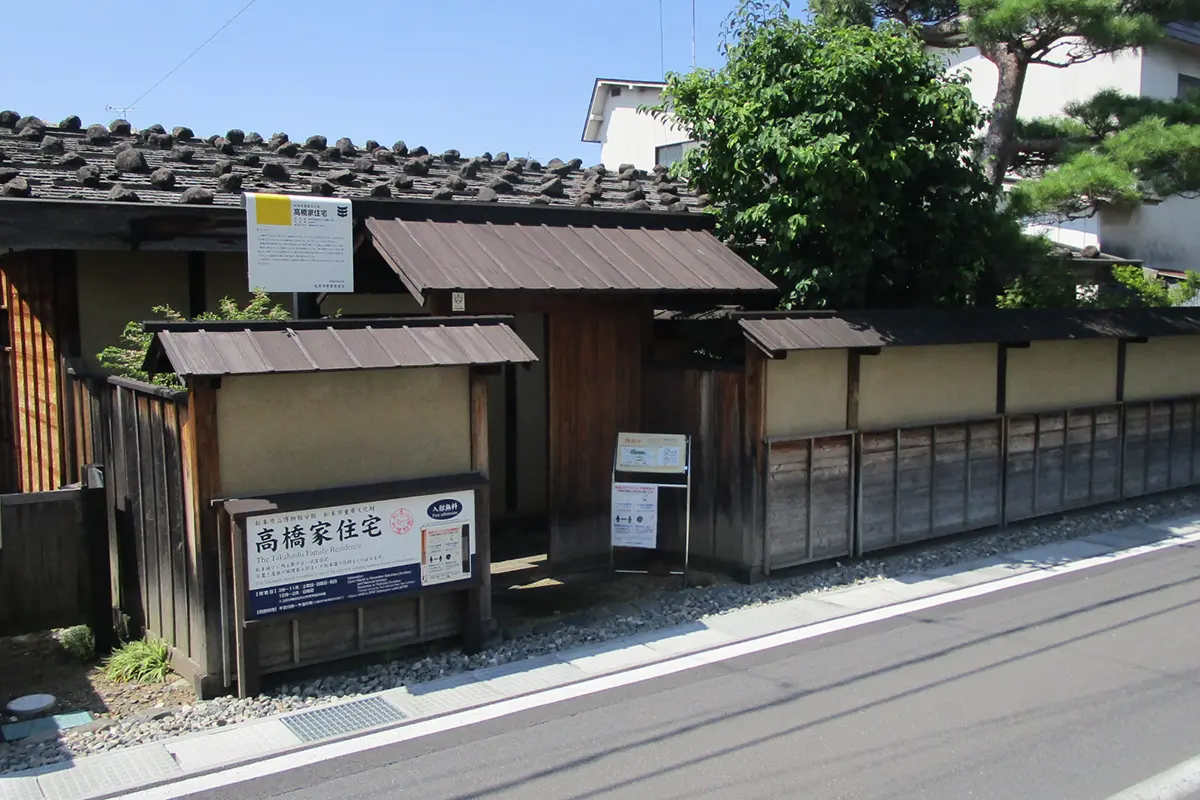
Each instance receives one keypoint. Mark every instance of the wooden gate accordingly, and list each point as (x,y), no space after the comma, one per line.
(54,560)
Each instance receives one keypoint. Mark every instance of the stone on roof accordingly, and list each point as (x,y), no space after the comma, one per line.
(116,163)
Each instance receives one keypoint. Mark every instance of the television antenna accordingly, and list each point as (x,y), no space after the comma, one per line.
(123,111)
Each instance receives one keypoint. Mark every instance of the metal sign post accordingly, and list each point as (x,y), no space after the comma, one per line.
(633,520)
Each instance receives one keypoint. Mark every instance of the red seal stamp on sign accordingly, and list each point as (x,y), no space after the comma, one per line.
(402,521)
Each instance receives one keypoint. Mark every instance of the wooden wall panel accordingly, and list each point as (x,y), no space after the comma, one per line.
(40,295)
(1059,460)
(809,500)
(595,392)
(928,481)
(707,405)
(1161,446)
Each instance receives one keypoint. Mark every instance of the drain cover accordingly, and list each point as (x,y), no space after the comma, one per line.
(30,704)
(330,721)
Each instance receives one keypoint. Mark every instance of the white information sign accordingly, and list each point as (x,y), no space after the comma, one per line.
(300,243)
(297,560)
(635,515)
(652,452)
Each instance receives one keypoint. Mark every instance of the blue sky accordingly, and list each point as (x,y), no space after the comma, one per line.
(473,75)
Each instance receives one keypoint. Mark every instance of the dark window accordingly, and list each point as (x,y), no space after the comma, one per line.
(1188,84)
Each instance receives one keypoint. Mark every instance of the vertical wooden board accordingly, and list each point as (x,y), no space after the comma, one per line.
(595,364)
(133,545)
(831,520)
(1079,464)
(1050,478)
(148,521)
(729,522)
(950,487)
(1019,469)
(788,501)
(754,457)
(877,465)
(1158,447)
(914,510)
(191,530)
(983,499)
(1182,433)
(1106,454)
(1135,460)
(181,577)
(162,518)
(205,486)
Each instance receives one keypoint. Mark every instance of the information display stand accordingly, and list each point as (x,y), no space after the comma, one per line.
(645,464)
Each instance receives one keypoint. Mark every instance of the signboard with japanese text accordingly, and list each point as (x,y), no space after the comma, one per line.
(652,452)
(300,560)
(299,243)
(635,515)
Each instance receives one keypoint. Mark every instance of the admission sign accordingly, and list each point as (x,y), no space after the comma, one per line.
(299,244)
(300,560)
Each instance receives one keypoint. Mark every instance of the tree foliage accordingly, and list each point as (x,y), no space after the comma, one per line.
(1111,149)
(837,161)
(128,358)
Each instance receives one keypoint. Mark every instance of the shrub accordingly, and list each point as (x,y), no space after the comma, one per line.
(142,661)
(127,358)
(79,643)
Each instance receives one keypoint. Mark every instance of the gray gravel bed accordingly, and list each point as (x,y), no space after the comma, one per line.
(661,609)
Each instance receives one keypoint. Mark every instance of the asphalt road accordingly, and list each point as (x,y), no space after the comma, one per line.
(1075,687)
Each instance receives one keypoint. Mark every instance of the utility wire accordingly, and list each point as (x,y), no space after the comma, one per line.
(662,43)
(189,56)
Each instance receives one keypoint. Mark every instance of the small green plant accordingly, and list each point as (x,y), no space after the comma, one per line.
(142,661)
(127,358)
(79,643)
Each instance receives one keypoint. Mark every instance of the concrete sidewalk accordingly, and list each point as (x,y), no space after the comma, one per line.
(117,772)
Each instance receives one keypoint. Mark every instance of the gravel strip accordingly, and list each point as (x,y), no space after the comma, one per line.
(661,609)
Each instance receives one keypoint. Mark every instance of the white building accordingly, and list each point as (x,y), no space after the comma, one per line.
(1164,236)
(627,136)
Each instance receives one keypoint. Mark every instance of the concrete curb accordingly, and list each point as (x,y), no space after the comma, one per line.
(118,772)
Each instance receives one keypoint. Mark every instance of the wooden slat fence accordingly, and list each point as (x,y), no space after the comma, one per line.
(809,500)
(1161,446)
(53,560)
(928,481)
(1061,460)
(134,429)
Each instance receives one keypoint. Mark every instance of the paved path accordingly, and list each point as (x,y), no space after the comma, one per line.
(1062,672)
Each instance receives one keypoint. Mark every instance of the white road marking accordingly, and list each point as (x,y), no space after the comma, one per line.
(1180,782)
(502,708)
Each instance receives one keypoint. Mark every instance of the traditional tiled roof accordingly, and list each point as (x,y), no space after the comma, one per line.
(115,163)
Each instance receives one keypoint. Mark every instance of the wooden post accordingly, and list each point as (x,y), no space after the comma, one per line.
(245,631)
(479,599)
(754,455)
(202,478)
(1002,410)
(95,523)
(853,378)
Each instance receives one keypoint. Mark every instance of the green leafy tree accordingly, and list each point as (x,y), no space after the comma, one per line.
(837,162)
(1111,149)
(128,358)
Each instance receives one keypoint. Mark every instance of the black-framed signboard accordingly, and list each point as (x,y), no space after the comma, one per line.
(297,555)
